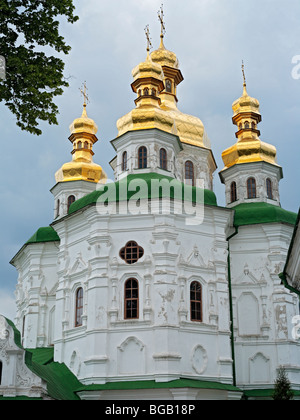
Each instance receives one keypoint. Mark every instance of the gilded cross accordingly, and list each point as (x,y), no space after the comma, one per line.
(83,92)
(161,19)
(147,32)
(243,70)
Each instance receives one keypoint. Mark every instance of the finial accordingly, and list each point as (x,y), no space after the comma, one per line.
(161,19)
(147,32)
(83,91)
(243,70)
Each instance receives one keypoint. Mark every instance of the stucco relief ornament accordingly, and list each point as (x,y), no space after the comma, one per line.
(3,330)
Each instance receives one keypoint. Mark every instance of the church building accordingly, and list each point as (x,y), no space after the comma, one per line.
(145,288)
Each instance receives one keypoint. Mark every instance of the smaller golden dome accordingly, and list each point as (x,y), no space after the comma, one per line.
(147,69)
(83,137)
(164,57)
(245,104)
(83,124)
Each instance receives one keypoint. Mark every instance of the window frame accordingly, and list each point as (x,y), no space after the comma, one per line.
(189,170)
(269,187)
(124,161)
(78,307)
(134,248)
(195,301)
(131,299)
(251,188)
(71,200)
(233,192)
(142,157)
(163,159)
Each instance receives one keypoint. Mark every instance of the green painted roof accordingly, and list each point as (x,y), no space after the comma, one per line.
(256,213)
(44,234)
(179,383)
(115,191)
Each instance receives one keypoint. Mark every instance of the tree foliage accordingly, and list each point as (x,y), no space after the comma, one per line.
(282,390)
(33,78)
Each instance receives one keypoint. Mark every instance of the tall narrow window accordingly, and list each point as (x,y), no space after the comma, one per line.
(168,85)
(269,189)
(131,299)
(78,307)
(251,188)
(189,173)
(71,200)
(1,366)
(233,194)
(124,161)
(163,159)
(57,207)
(142,156)
(247,125)
(196,301)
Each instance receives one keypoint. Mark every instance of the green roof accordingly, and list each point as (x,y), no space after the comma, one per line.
(116,190)
(179,383)
(256,213)
(44,234)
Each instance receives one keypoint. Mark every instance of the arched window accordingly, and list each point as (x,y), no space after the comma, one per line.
(131,252)
(131,301)
(78,307)
(86,145)
(168,85)
(71,200)
(247,124)
(251,188)
(153,92)
(253,125)
(124,161)
(57,207)
(189,173)
(269,189)
(233,193)
(163,159)
(196,301)
(146,92)
(1,366)
(79,145)
(142,156)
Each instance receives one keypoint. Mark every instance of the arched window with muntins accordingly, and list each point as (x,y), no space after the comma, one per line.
(251,188)
(78,307)
(71,200)
(163,159)
(269,189)
(168,85)
(131,300)
(233,192)
(247,125)
(79,145)
(189,173)
(124,161)
(196,301)
(142,157)
(146,92)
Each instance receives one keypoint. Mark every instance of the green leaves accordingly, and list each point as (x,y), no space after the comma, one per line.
(33,79)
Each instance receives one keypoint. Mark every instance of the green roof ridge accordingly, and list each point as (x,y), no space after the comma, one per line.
(44,234)
(257,213)
(209,196)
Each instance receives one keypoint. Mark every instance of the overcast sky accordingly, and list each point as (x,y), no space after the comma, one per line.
(210,39)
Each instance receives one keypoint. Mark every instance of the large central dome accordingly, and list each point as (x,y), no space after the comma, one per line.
(155,83)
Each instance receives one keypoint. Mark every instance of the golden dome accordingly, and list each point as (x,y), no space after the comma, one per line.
(83,124)
(164,57)
(83,137)
(249,148)
(245,104)
(161,111)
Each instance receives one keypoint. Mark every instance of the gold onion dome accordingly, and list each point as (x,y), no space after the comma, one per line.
(249,148)
(155,82)
(83,137)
